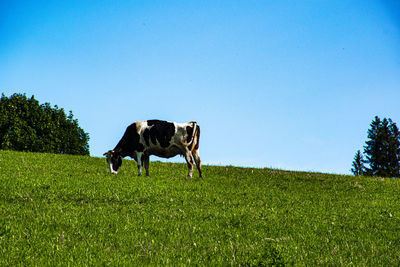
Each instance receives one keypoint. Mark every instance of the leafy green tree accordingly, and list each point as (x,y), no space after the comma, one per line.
(25,125)
(382,150)
(358,164)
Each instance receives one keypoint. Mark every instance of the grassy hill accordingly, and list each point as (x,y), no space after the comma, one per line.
(67,210)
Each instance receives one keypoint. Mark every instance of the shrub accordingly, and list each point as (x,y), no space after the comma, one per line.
(25,125)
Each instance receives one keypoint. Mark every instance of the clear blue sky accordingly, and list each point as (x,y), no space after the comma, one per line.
(283,84)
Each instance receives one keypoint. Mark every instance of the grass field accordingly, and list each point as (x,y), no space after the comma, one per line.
(67,210)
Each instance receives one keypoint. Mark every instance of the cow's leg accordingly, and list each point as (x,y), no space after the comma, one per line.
(189,161)
(146,160)
(139,162)
(196,157)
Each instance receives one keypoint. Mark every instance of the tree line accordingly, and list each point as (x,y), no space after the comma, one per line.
(25,125)
(381,155)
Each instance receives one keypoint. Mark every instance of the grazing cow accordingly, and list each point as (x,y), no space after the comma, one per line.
(161,138)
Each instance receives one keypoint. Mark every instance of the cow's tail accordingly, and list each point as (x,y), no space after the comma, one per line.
(194,144)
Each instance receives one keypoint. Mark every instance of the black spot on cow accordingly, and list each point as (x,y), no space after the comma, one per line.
(161,131)
(146,136)
(189,131)
(130,142)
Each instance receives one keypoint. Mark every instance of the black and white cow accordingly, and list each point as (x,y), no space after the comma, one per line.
(161,138)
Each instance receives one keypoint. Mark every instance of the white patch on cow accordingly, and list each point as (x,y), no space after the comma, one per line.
(112,170)
(139,162)
(140,127)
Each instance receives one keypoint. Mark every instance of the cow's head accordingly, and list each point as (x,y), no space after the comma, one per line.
(114,159)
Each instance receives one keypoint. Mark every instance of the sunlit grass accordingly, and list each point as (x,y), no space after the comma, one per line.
(67,210)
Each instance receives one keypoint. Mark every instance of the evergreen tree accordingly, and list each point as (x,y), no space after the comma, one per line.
(394,150)
(373,147)
(358,164)
(383,148)
(27,126)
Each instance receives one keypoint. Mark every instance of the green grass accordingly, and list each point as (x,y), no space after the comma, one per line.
(67,210)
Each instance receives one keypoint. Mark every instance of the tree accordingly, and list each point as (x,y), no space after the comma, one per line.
(382,150)
(27,126)
(394,149)
(358,164)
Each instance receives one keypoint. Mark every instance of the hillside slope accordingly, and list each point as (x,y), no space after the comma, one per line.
(67,210)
